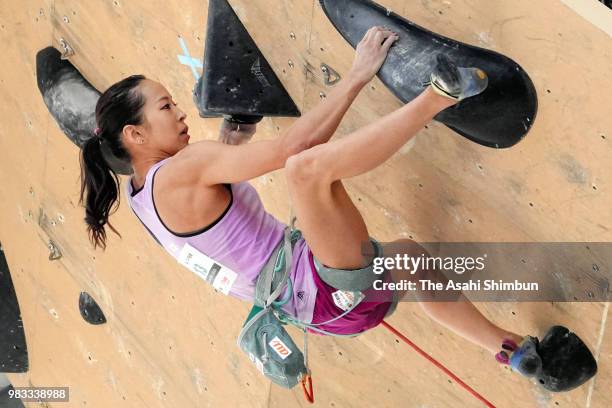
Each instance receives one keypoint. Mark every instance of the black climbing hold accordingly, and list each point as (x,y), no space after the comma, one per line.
(499,117)
(243,119)
(90,311)
(71,100)
(237,79)
(13,346)
(566,361)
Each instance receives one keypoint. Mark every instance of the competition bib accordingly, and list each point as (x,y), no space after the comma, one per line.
(346,299)
(221,277)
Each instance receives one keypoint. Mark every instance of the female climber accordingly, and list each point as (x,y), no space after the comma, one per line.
(197,194)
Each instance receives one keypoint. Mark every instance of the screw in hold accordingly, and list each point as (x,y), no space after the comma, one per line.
(67,49)
(54,252)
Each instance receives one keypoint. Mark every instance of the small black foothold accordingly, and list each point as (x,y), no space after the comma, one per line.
(90,311)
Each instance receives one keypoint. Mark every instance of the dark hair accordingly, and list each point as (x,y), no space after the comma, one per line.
(118,106)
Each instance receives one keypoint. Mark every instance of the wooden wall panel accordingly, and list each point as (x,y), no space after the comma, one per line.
(170,339)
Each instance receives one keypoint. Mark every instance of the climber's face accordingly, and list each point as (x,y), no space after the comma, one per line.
(163,132)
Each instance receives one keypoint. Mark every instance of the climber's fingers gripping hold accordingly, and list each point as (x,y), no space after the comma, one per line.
(371,52)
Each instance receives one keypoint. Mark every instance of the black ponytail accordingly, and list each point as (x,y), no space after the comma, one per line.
(119,106)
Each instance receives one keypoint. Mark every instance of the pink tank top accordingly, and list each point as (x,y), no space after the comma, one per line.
(242,238)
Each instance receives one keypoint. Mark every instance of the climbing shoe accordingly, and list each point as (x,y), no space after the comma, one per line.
(561,361)
(455,82)
(522,358)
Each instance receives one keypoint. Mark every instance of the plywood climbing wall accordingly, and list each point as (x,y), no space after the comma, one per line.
(170,340)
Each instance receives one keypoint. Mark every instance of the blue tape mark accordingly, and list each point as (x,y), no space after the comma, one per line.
(187,59)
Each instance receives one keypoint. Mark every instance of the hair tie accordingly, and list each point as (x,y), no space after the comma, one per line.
(97,131)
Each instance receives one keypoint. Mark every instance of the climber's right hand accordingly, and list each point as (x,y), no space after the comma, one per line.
(371,53)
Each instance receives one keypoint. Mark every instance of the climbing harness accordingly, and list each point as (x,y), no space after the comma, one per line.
(263,337)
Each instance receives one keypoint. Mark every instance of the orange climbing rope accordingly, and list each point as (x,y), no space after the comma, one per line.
(437,364)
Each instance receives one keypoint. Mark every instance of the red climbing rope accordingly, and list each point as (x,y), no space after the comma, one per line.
(436,363)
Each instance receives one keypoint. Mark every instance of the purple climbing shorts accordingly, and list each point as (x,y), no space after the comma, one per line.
(366,315)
